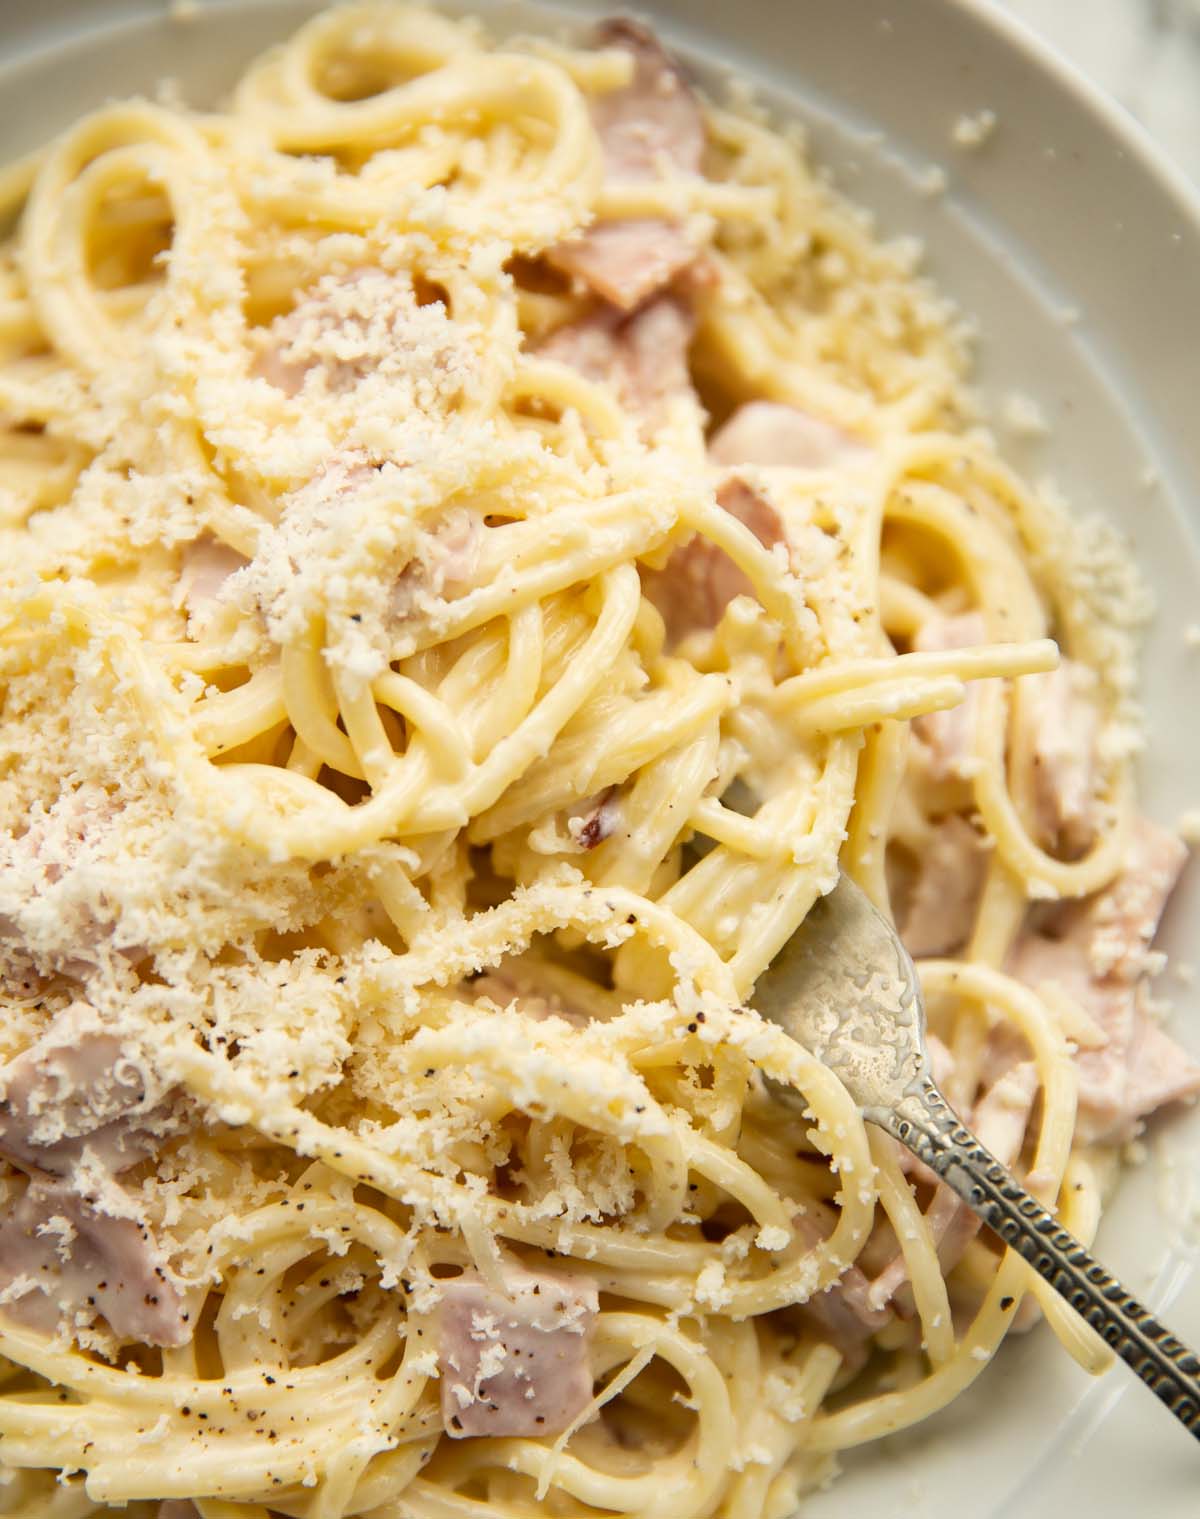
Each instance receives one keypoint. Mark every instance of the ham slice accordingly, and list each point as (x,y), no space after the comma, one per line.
(1054,756)
(62,1257)
(351,327)
(999,1120)
(527,985)
(625,262)
(946,736)
(40,915)
(643,356)
(446,560)
(699,580)
(651,124)
(517,1362)
(944,897)
(594,819)
(76,1092)
(1097,952)
(207,565)
(325,331)
(770,434)
(843,1314)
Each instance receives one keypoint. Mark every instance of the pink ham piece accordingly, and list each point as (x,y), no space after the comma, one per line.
(594,819)
(521,984)
(353,326)
(643,356)
(1054,757)
(207,565)
(77,1091)
(843,1314)
(770,434)
(999,1121)
(946,736)
(1097,952)
(338,328)
(61,1256)
(515,1363)
(699,580)
(650,124)
(36,867)
(446,560)
(945,895)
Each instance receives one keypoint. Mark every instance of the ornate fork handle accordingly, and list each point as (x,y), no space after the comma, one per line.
(925,1124)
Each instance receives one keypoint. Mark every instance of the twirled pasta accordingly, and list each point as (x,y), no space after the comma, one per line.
(420,732)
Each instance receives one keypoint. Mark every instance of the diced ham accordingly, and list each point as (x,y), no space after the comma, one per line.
(515,1363)
(1121,921)
(207,565)
(770,434)
(753,511)
(699,580)
(844,1313)
(77,1091)
(523,985)
(944,896)
(62,1258)
(580,827)
(655,118)
(349,327)
(652,123)
(942,1065)
(446,560)
(1158,1070)
(36,867)
(301,341)
(625,262)
(999,1121)
(947,736)
(594,819)
(1054,756)
(941,1060)
(643,356)
(1097,952)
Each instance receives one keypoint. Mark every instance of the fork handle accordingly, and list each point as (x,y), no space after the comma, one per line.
(926,1124)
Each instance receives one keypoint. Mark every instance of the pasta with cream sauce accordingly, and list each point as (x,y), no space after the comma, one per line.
(488,534)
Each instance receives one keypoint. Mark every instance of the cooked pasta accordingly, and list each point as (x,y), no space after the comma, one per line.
(488,535)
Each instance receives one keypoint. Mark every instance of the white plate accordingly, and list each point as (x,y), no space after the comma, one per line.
(1078,250)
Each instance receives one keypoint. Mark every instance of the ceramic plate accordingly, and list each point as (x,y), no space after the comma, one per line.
(1077,250)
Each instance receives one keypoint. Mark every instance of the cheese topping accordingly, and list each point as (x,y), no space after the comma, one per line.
(487,536)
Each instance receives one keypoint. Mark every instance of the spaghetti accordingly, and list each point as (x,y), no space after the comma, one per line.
(487,537)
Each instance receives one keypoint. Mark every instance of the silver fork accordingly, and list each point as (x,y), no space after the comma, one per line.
(845,988)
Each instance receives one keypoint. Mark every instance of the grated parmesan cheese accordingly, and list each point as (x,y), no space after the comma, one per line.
(972,131)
